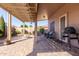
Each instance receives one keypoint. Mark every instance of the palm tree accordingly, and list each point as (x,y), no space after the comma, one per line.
(21,25)
(24,25)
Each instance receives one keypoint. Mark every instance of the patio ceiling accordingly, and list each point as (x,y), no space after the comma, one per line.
(46,10)
(31,11)
(23,11)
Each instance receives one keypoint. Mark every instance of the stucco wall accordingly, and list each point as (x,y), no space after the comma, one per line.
(72,11)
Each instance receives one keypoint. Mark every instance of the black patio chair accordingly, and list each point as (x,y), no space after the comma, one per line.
(50,35)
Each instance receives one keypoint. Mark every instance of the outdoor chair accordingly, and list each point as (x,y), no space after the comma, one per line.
(50,35)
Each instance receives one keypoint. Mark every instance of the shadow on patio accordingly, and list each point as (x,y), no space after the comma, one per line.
(43,48)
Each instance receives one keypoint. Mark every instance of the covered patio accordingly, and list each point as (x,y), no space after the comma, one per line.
(37,45)
(27,47)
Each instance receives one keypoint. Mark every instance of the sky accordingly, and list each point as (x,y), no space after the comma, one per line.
(17,22)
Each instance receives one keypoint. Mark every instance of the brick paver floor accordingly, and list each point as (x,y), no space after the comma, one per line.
(21,47)
(27,47)
(44,48)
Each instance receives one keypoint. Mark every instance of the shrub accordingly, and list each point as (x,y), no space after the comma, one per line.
(18,32)
(41,30)
(13,33)
(26,32)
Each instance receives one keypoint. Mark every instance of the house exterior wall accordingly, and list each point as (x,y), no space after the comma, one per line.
(72,11)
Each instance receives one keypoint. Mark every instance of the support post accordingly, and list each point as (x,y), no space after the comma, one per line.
(35,30)
(8,40)
(23,28)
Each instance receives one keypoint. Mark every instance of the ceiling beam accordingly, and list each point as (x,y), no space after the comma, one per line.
(23,15)
(15,6)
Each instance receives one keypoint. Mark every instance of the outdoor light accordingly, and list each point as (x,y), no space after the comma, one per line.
(43,16)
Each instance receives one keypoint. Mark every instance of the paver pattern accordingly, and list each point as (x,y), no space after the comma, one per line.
(43,48)
(21,47)
(24,46)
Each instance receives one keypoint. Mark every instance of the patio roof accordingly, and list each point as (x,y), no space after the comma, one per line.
(23,11)
(30,11)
